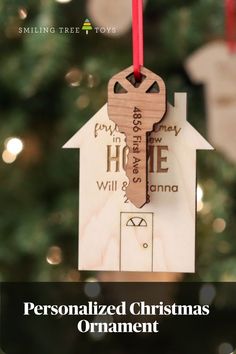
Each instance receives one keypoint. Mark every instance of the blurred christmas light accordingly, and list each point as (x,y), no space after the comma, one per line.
(54,255)
(200,203)
(225,348)
(82,102)
(74,77)
(207,294)
(219,225)
(199,193)
(14,145)
(22,12)
(63,1)
(206,208)
(200,206)
(8,157)
(91,81)
(91,280)
(227,277)
(92,288)
(73,275)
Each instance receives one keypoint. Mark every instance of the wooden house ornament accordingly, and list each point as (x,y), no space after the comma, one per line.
(114,235)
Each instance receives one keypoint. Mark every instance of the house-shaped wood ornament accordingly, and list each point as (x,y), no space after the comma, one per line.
(114,235)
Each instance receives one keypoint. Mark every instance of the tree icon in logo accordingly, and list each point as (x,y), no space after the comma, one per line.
(87,26)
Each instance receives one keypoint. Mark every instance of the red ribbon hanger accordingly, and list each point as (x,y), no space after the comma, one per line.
(137,37)
(230,8)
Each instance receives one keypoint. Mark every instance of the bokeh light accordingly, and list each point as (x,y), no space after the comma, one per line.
(92,288)
(200,203)
(73,276)
(22,12)
(92,81)
(225,348)
(8,157)
(14,145)
(199,193)
(200,206)
(74,77)
(63,1)
(206,208)
(82,102)
(54,255)
(219,225)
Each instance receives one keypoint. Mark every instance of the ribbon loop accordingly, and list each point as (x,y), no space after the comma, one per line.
(230,24)
(137,37)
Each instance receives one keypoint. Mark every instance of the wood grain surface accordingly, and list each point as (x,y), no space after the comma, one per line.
(114,235)
(135,110)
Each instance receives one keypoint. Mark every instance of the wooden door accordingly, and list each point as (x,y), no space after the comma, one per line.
(136,236)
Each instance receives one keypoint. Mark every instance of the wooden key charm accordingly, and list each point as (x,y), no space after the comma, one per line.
(135,107)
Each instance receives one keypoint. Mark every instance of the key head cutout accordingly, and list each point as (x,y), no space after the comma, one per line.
(125,93)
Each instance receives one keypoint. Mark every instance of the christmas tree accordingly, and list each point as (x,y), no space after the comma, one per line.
(87,26)
(51,84)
